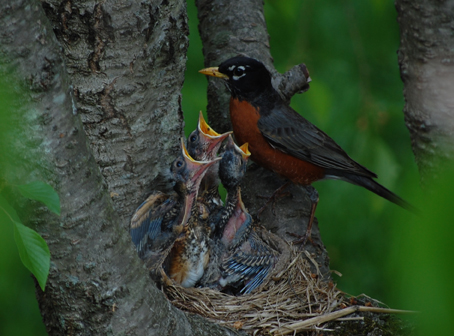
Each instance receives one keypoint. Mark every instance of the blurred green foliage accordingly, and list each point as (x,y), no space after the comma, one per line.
(420,272)
(19,313)
(387,253)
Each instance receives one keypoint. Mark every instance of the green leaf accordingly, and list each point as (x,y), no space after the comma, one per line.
(8,210)
(33,252)
(40,191)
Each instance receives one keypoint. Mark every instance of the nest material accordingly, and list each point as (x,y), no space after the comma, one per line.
(291,300)
(292,293)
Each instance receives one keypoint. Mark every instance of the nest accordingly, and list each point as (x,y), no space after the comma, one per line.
(292,299)
(291,294)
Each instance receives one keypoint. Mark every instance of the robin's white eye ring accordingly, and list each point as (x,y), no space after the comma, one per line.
(238,71)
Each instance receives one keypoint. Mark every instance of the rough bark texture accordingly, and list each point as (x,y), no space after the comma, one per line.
(426,59)
(97,284)
(229,28)
(126,60)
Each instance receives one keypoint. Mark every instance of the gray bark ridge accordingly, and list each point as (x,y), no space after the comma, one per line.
(426,60)
(97,285)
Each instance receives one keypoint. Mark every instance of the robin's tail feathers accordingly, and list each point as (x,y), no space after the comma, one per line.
(376,188)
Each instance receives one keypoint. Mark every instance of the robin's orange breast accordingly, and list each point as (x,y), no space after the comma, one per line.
(244,119)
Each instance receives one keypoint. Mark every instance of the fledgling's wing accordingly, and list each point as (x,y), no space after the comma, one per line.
(148,219)
(250,264)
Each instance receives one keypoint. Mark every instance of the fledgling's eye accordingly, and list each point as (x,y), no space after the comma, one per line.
(193,138)
(179,163)
(238,71)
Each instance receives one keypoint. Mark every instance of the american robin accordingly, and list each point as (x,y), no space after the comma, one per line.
(244,259)
(161,217)
(203,145)
(190,253)
(282,140)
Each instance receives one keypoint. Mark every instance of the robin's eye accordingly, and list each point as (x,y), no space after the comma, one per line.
(193,138)
(179,163)
(238,71)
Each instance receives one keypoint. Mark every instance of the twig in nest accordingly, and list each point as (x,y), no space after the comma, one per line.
(309,323)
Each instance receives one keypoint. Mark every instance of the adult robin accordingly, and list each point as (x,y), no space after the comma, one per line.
(282,140)
(243,260)
(158,221)
(203,145)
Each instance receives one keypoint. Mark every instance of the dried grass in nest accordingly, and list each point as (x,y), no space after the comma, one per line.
(290,295)
(292,299)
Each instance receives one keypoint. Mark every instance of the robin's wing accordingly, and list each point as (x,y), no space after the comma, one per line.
(250,265)
(289,132)
(147,220)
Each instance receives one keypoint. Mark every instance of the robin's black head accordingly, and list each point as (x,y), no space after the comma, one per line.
(246,77)
(233,164)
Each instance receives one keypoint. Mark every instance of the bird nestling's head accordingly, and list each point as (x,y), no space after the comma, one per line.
(203,143)
(187,172)
(233,164)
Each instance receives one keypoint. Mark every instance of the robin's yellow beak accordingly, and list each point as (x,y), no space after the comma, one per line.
(214,71)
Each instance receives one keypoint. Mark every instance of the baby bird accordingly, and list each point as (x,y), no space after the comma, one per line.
(161,217)
(190,253)
(203,145)
(246,260)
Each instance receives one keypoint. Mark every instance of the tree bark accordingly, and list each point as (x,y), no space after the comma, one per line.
(426,59)
(97,284)
(126,61)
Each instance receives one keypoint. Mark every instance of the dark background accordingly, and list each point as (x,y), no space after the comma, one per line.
(356,97)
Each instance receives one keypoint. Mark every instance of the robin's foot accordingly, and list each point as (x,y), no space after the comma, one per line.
(278,193)
(313,195)
(301,239)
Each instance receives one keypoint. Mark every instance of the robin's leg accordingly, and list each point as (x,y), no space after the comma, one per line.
(279,192)
(313,195)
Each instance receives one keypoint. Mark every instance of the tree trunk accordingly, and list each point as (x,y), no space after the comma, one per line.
(129,103)
(126,62)
(426,59)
